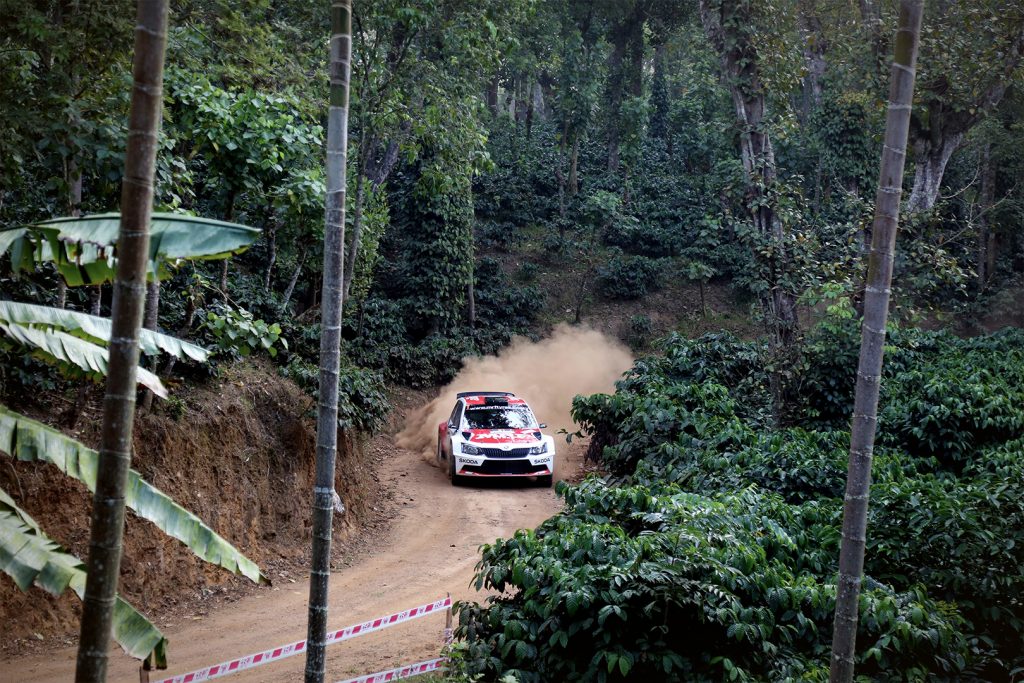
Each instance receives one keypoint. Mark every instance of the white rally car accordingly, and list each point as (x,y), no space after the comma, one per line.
(494,434)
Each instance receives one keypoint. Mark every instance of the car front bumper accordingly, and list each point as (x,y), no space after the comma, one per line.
(482,466)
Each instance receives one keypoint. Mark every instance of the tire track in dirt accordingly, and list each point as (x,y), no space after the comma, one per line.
(430,549)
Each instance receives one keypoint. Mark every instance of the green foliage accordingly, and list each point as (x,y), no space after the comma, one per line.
(83,249)
(628,277)
(639,334)
(362,399)
(238,333)
(726,530)
(30,557)
(653,583)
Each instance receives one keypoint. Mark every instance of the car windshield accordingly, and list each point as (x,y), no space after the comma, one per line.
(500,418)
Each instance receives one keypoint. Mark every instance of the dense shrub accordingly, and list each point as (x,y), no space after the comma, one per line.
(378,336)
(652,583)
(628,277)
(362,399)
(714,559)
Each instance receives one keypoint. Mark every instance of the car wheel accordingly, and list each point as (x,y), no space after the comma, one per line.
(456,479)
(546,481)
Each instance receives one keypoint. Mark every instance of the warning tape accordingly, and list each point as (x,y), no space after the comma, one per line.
(407,671)
(292,649)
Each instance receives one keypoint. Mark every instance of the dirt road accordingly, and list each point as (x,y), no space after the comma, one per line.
(430,550)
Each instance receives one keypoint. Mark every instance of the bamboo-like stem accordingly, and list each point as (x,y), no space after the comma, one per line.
(876,314)
(105,544)
(330,337)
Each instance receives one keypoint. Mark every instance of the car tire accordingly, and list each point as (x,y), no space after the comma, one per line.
(546,481)
(456,479)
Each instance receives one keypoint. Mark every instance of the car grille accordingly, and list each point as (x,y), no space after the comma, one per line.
(504,467)
(498,453)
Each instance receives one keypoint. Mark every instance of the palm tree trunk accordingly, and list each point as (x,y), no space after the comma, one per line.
(129,298)
(330,339)
(876,314)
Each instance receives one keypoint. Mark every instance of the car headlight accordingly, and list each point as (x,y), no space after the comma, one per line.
(537,450)
(470,449)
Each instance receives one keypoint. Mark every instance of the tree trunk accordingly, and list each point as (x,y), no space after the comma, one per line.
(119,402)
(559,173)
(986,197)
(271,254)
(74,182)
(876,314)
(295,278)
(529,110)
(229,215)
(492,97)
(574,164)
(471,301)
(938,131)
(930,161)
(376,171)
(537,100)
(150,322)
(330,339)
(725,25)
(357,215)
(82,395)
(615,85)
(814,47)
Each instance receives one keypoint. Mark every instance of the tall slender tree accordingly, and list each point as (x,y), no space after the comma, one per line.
(105,543)
(876,314)
(330,337)
(731,28)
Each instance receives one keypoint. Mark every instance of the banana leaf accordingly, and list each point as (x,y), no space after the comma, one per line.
(29,557)
(84,249)
(94,329)
(28,440)
(60,347)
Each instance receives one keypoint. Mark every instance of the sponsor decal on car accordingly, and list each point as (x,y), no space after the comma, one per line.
(503,435)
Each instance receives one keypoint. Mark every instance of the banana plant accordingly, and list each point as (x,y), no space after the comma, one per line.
(84,253)
(31,441)
(30,557)
(84,249)
(69,338)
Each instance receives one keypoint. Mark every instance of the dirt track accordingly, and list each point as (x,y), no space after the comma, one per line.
(431,549)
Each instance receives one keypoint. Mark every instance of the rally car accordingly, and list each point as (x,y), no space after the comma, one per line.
(494,434)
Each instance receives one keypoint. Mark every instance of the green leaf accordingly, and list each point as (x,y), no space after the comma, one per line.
(60,347)
(29,557)
(31,441)
(84,249)
(94,329)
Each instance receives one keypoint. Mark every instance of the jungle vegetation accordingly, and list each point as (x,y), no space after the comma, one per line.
(628,146)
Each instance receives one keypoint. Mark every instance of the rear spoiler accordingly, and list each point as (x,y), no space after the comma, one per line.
(464,394)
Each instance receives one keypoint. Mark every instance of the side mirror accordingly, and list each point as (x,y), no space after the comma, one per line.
(543,425)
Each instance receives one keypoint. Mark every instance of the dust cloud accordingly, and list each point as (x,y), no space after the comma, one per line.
(547,373)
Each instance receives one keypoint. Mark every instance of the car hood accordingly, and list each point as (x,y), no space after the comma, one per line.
(486,436)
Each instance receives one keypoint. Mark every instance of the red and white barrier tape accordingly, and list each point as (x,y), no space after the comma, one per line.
(285,651)
(407,671)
